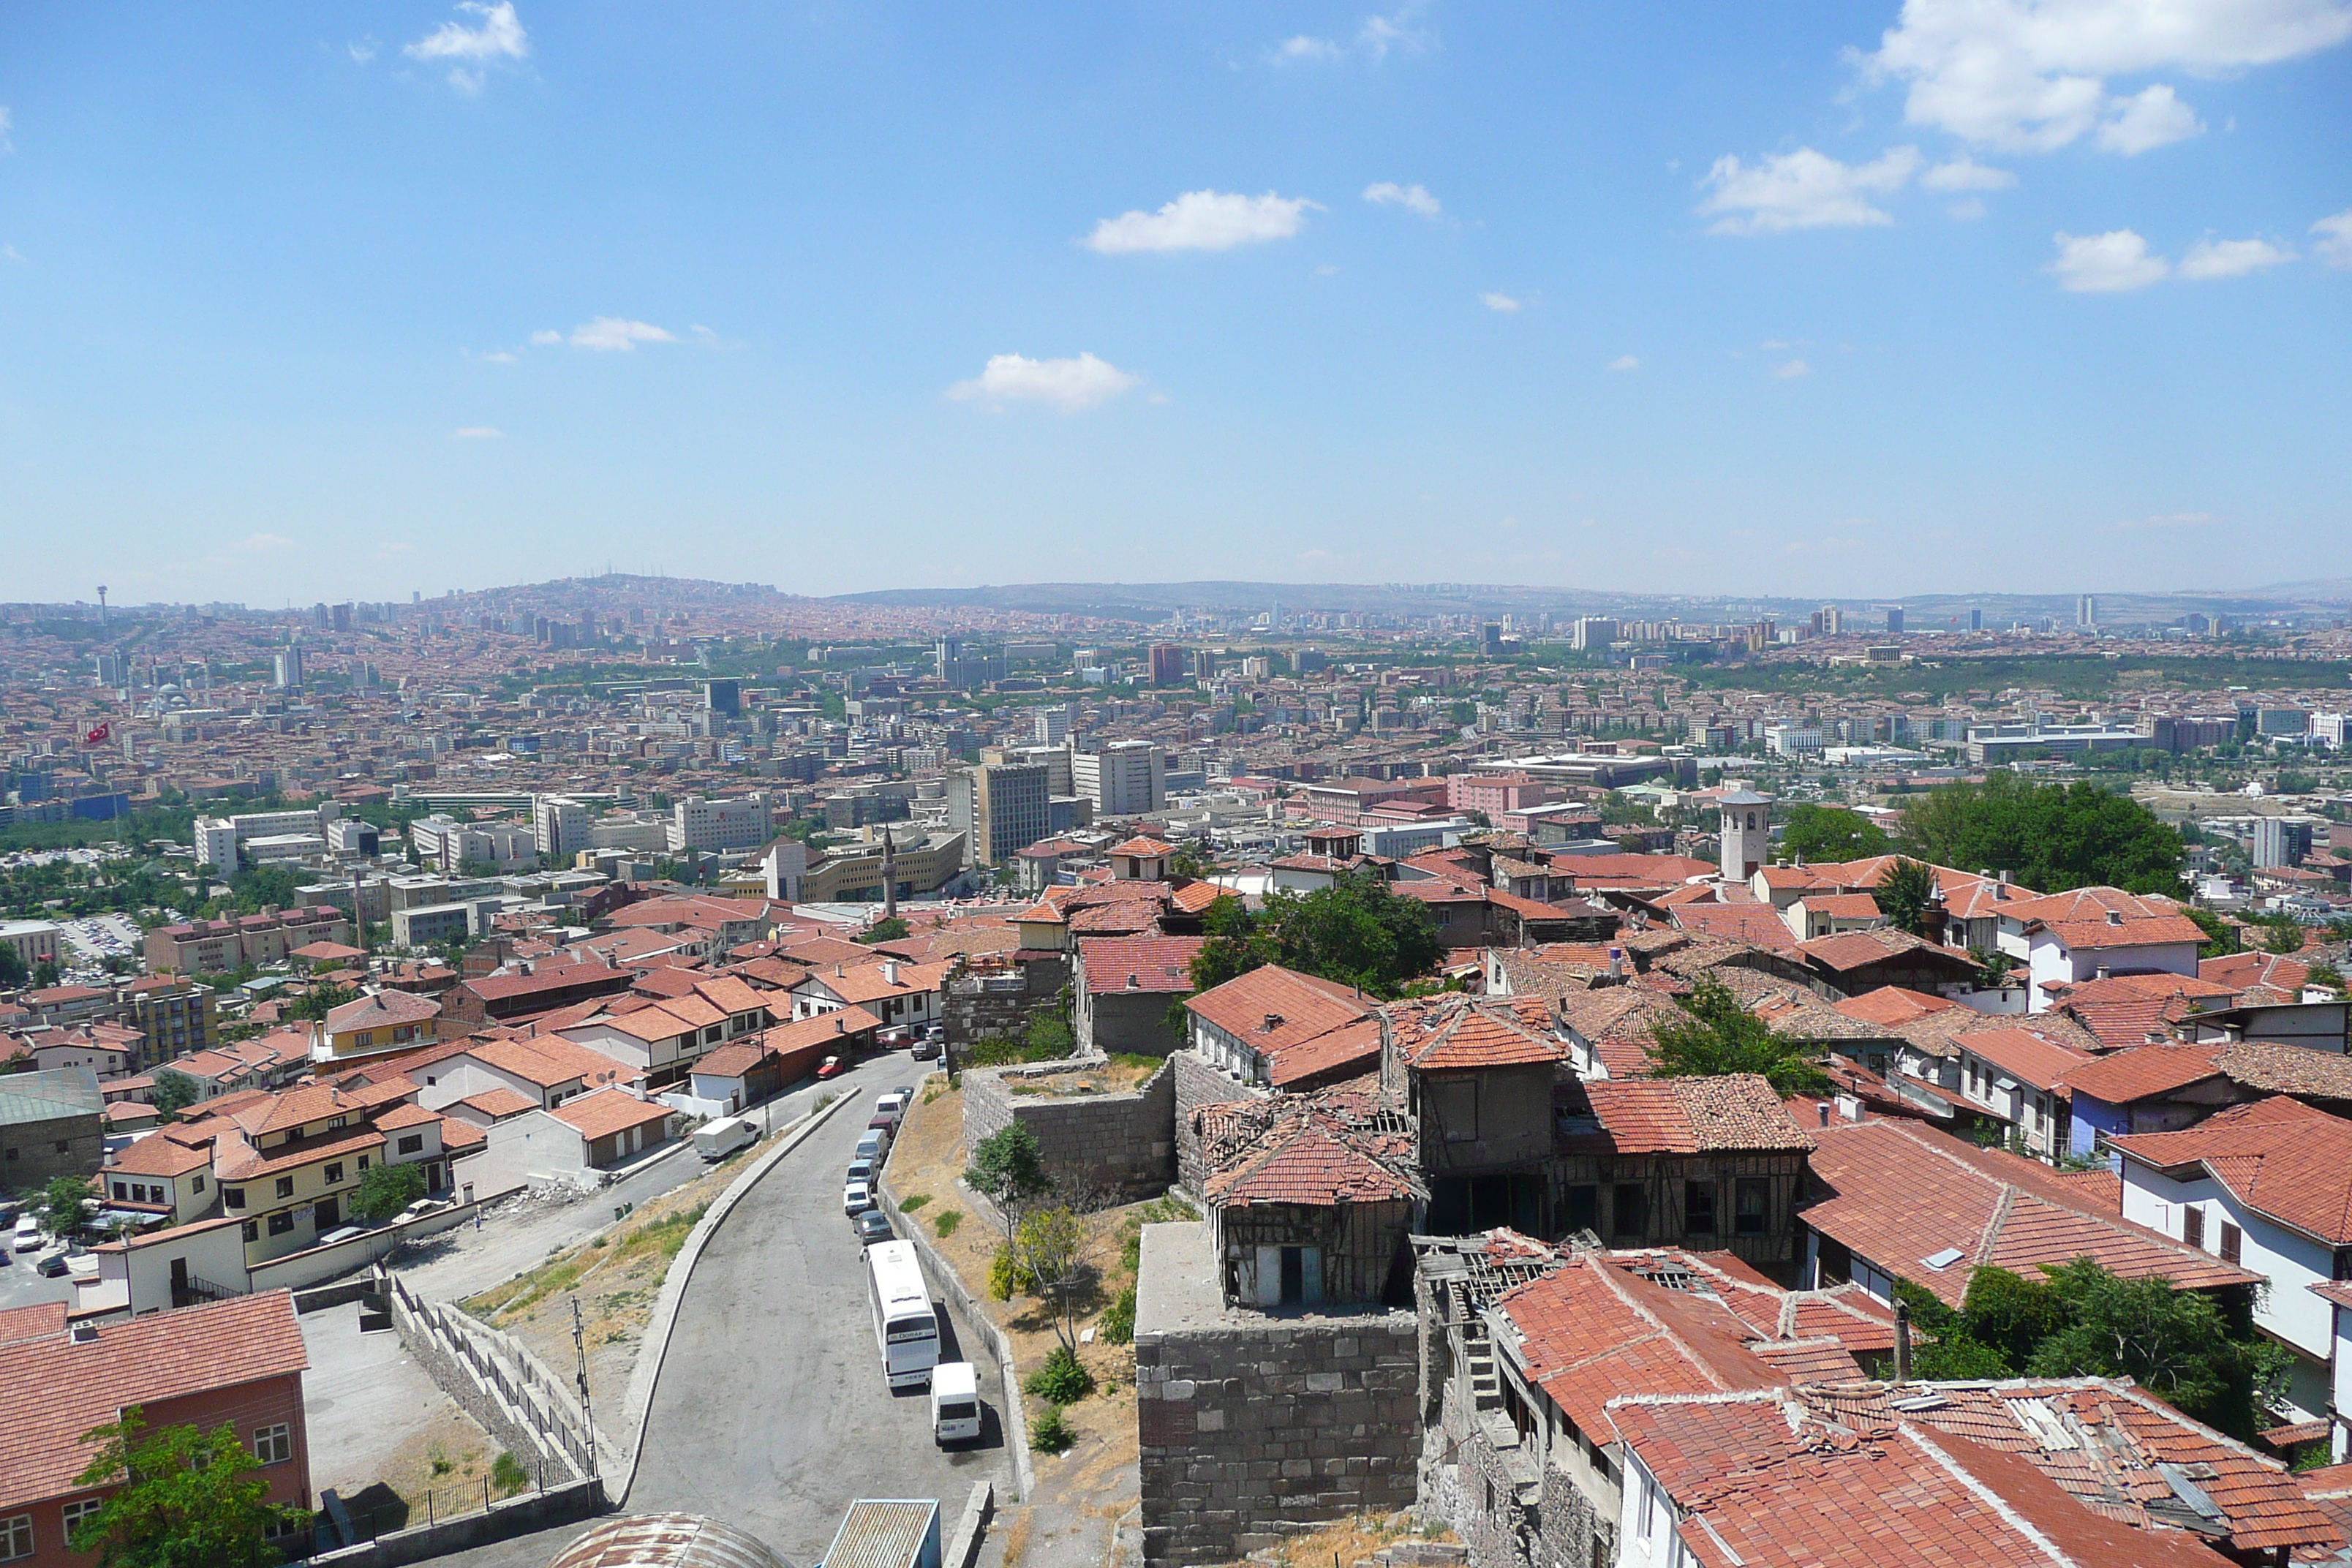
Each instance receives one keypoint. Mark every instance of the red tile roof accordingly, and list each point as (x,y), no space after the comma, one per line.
(2279,1157)
(1154,963)
(1904,1193)
(1693,1115)
(53,1390)
(605,1112)
(2028,1058)
(2142,1071)
(1271,1008)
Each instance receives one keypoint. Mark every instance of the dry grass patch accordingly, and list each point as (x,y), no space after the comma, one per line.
(1350,1541)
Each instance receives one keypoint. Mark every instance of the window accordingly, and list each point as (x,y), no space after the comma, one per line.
(121,1193)
(280,1223)
(251,1230)
(1755,1212)
(1699,1207)
(363,1161)
(2192,1226)
(1630,1209)
(2230,1237)
(285,1187)
(413,1144)
(1584,1208)
(335,1174)
(196,1185)
(16,1538)
(274,1444)
(79,1510)
(233,1197)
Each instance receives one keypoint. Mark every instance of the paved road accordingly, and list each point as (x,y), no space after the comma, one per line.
(771,1412)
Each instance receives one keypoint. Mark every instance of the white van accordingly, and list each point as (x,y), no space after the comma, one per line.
(874,1144)
(714,1140)
(955,1404)
(29,1233)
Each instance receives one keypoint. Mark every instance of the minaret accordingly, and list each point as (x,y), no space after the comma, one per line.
(1747,832)
(889,876)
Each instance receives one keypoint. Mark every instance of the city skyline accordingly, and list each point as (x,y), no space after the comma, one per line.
(455,297)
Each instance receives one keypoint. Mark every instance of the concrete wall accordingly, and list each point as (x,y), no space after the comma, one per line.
(313,1265)
(986,1007)
(1255,1425)
(1117,1147)
(502,1520)
(1133,1022)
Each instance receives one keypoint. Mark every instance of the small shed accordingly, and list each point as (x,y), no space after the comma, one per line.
(887,1532)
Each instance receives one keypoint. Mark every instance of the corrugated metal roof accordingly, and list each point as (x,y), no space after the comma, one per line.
(882,1532)
(47,1095)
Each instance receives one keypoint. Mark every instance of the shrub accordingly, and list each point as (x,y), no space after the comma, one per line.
(912,1202)
(945,1223)
(1062,1380)
(1051,1432)
(1001,1274)
(386,1190)
(507,1474)
(1118,1320)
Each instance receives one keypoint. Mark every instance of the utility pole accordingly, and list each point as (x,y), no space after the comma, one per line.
(587,1411)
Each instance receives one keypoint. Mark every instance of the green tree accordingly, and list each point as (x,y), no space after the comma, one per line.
(2220,935)
(1358,932)
(173,1092)
(184,1497)
(894,928)
(1008,1168)
(1717,1036)
(1049,1254)
(2177,1344)
(45,974)
(2281,933)
(61,1205)
(386,1190)
(321,1000)
(1237,942)
(2328,976)
(1830,833)
(2052,836)
(1905,895)
(13,972)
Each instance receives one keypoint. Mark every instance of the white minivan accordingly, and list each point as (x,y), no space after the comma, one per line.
(29,1233)
(955,1403)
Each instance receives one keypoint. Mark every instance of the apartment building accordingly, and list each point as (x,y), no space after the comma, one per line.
(1124,778)
(716,825)
(34,941)
(559,828)
(999,809)
(222,946)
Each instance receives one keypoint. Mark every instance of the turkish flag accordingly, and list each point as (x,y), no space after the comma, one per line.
(98,737)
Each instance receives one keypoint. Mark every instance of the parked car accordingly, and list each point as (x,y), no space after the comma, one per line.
(29,1233)
(874,1145)
(890,1039)
(831,1066)
(857,1197)
(861,1171)
(924,1050)
(871,1227)
(905,1096)
(53,1266)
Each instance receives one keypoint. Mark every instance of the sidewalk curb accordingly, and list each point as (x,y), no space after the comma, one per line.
(942,1274)
(647,1372)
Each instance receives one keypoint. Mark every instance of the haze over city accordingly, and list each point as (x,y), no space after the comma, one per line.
(1847,298)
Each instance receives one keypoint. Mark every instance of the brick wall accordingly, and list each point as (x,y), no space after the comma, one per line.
(1265,1426)
(1117,1147)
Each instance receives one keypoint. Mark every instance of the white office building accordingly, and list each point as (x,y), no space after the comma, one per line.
(716,825)
(559,827)
(1125,778)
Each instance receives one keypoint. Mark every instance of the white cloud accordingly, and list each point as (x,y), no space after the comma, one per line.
(1397,31)
(1412,199)
(497,39)
(1303,47)
(1201,220)
(10,253)
(498,356)
(1964,173)
(2209,259)
(2031,75)
(1966,207)
(2111,263)
(6,124)
(1625,362)
(545,339)
(2153,117)
(1069,385)
(1803,189)
(1502,302)
(477,433)
(362,50)
(2334,243)
(1794,369)
(608,334)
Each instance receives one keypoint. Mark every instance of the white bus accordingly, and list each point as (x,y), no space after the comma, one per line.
(906,1330)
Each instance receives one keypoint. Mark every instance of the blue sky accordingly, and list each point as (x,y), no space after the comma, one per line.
(303,301)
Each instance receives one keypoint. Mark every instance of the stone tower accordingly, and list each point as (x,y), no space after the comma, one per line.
(1747,832)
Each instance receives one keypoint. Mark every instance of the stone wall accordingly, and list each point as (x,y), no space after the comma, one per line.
(1198,1084)
(1104,1147)
(1253,1426)
(995,1006)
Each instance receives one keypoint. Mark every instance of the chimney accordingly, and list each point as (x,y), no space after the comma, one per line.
(2006,874)
(1902,1341)
(84,1333)
(840,1025)
(1616,964)
(1273,1022)
(1824,1109)
(2101,972)
(890,971)
(1133,983)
